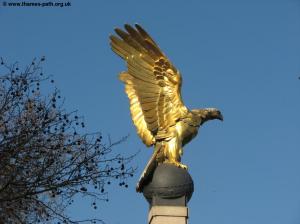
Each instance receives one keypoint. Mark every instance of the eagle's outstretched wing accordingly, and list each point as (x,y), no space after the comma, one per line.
(152,83)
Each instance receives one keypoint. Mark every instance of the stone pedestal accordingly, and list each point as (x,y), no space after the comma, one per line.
(168,193)
(168,215)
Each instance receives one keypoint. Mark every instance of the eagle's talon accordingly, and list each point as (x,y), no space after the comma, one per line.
(178,164)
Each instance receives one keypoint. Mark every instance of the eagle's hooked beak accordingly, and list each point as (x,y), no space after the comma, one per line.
(220,116)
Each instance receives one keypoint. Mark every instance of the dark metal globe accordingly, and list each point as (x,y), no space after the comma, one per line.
(169,182)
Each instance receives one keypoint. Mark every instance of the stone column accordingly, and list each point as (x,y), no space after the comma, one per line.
(168,193)
(168,215)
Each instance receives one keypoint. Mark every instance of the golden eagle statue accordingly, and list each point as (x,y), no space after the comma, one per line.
(153,86)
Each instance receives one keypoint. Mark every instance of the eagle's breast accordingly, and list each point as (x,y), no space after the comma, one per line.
(186,131)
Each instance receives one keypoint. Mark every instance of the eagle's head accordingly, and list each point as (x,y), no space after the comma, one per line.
(207,114)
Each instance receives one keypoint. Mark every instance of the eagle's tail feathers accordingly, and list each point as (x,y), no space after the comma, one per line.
(148,171)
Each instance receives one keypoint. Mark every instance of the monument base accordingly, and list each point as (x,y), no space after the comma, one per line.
(168,193)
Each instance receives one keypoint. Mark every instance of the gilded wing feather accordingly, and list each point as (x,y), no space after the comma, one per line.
(136,110)
(152,83)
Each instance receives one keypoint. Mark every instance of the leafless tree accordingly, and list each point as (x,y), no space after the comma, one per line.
(46,158)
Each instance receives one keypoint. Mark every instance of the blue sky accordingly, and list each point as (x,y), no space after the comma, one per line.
(242,57)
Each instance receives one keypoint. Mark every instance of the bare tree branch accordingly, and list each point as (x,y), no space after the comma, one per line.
(46,158)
